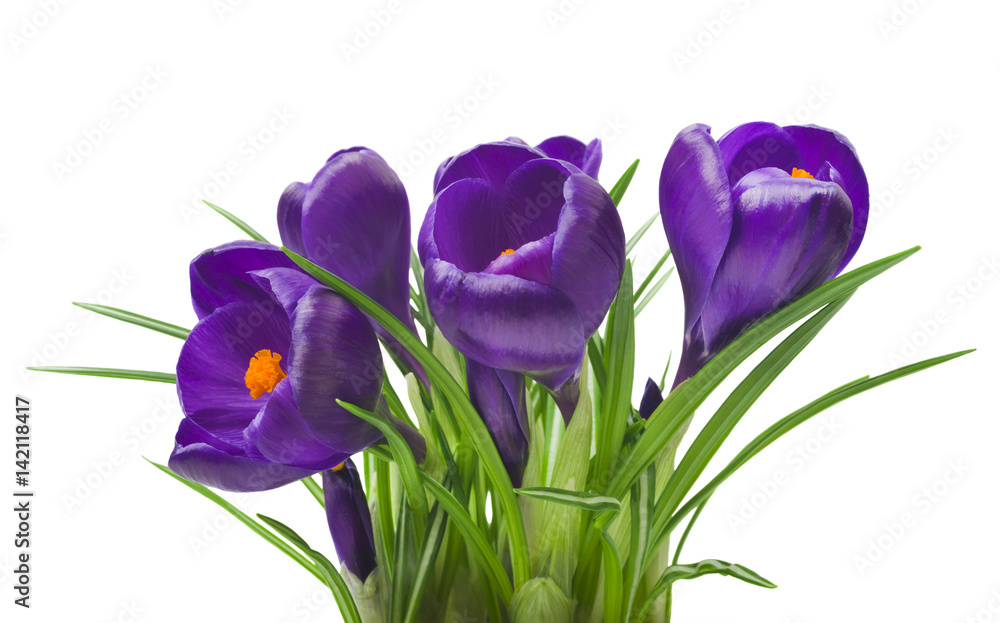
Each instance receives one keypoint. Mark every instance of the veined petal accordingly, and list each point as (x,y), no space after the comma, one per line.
(819,145)
(220,275)
(758,145)
(532,261)
(789,236)
(586,157)
(470,225)
(533,200)
(492,162)
(334,355)
(506,322)
(588,257)
(356,224)
(281,435)
(349,519)
(290,216)
(697,213)
(200,456)
(213,363)
(285,285)
(499,397)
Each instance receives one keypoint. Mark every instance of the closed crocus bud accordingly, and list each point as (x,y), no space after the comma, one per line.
(541,600)
(353,219)
(349,519)
(651,398)
(522,257)
(259,376)
(499,397)
(754,221)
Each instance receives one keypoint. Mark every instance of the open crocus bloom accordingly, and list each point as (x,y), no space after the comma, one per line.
(522,257)
(755,220)
(259,374)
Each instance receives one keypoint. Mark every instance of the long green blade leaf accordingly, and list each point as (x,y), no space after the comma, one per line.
(315,490)
(722,423)
(579,499)
(472,424)
(618,190)
(142,321)
(641,305)
(404,458)
(637,236)
(248,521)
(619,356)
(423,571)
(111,373)
(681,403)
(235,220)
(332,577)
(474,538)
(652,275)
(796,418)
(674,573)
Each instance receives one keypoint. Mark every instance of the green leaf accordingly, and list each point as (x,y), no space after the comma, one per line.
(404,565)
(637,236)
(315,490)
(332,577)
(472,424)
(613,581)
(674,573)
(386,532)
(142,321)
(579,499)
(796,418)
(474,538)
(405,460)
(652,275)
(618,190)
(641,502)
(111,373)
(250,231)
(682,402)
(424,569)
(616,404)
(649,297)
(248,521)
(722,423)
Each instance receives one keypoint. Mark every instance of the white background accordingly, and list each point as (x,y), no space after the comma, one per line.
(892,75)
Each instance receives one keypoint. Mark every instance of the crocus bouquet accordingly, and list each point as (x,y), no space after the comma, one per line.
(512,479)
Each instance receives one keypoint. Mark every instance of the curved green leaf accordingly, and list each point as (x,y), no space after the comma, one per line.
(472,425)
(142,321)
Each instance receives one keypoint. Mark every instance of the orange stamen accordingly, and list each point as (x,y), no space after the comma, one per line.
(801,173)
(264,373)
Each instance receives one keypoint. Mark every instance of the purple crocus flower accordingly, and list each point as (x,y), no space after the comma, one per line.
(349,519)
(522,257)
(353,219)
(259,374)
(586,157)
(522,252)
(755,220)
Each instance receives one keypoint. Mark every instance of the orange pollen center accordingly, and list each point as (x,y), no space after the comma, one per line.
(264,373)
(507,252)
(338,467)
(801,173)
